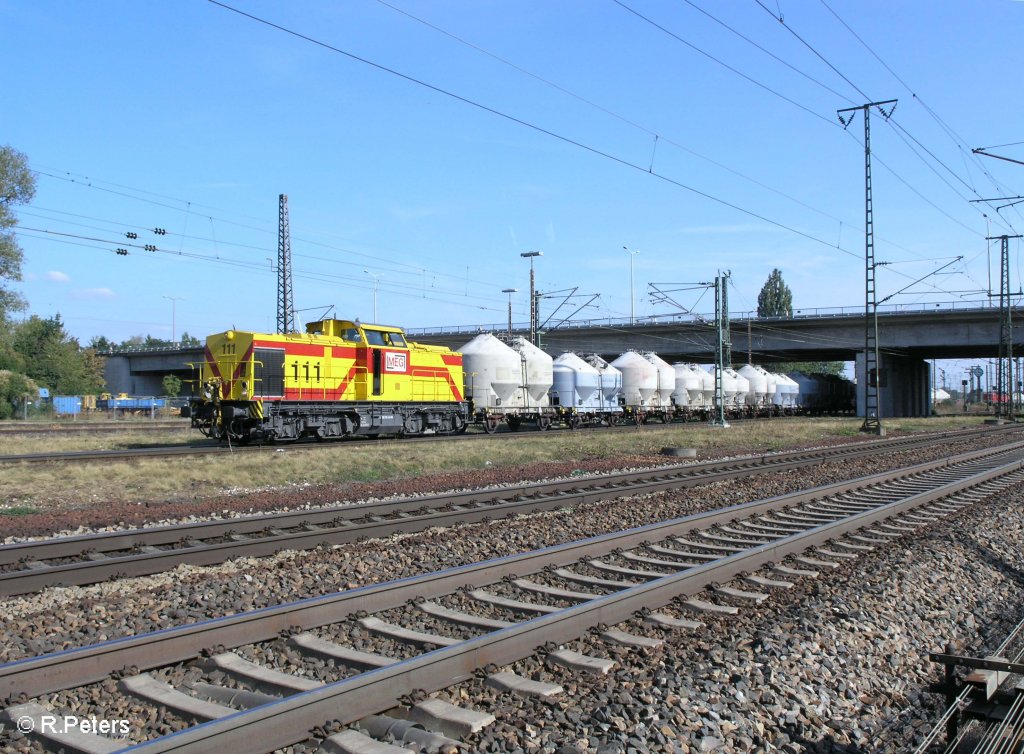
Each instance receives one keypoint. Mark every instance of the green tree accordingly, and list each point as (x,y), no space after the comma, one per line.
(172,385)
(152,342)
(17,186)
(775,298)
(10,359)
(94,367)
(101,343)
(14,390)
(54,359)
(811,367)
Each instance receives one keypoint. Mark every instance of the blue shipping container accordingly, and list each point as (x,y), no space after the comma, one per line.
(67,404)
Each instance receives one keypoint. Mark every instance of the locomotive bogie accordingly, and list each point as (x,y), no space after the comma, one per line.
(327,420)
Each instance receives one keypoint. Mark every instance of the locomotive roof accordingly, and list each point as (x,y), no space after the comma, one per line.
(345,323)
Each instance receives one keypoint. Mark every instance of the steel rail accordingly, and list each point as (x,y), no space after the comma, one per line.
(214,447)
(160,451)
(125,539)
(251,536)
(89,426)
(288,721)
(77,667)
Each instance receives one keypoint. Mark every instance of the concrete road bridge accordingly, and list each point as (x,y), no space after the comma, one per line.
(907,338)
(809,335)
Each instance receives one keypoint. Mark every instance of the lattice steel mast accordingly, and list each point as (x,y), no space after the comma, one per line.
(1004,384)
(285,299)
(872,376)
(723,351)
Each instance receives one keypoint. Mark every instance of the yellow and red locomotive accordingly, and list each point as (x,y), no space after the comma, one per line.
(339,378)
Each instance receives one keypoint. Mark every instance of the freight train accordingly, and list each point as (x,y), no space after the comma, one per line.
(342,378)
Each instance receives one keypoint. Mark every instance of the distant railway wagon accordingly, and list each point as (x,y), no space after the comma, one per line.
(125,404)
(339,378)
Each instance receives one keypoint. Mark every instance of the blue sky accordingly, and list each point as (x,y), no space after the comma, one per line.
(190,117)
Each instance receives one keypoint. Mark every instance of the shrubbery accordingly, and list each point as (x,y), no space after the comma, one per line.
(14,389)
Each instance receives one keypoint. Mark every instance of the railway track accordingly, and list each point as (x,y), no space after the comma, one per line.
(212,447)
(428,632)
(90,426)
(64,561)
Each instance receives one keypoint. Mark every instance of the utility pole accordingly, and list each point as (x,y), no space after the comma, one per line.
(285,298)
(376,287)
(1004,381)
(510,291)
(723,352)
(872,375)
(632,296)
(534,298)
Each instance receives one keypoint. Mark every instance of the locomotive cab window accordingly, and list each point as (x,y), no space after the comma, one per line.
(384,338)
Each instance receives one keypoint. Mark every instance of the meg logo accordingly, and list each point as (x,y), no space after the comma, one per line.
(396,362)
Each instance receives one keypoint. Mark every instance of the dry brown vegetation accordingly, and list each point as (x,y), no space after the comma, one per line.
(33,487)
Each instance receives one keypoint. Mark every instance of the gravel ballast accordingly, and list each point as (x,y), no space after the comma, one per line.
(835,664)
(59,618)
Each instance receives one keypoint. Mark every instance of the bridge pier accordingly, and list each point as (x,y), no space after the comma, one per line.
(905,388)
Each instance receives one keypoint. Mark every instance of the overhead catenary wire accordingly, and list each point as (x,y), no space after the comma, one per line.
(259,267)
(309,276)
(695,48)
(817,54)
(903,132)
(900,132)
(223,242)
(787,335)
(379,264)
(658,137)
(887,167)
(958,140)
(88,183)
(576,143)
(849,81)
(768,52)
(539,129)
